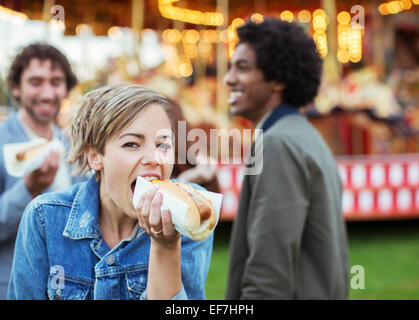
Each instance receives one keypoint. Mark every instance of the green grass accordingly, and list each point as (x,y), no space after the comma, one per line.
(387,250)
(389,253)
(217,275)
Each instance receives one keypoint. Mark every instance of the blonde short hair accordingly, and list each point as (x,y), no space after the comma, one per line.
(104,113)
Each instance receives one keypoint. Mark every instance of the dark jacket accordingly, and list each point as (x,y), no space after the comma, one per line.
(289,238)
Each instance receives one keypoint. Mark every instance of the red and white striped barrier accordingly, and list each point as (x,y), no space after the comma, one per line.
(374,187)
(230,179)
(380,186)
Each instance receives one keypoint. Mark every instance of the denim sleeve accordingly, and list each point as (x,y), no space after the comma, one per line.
(12,204)
(181,295)
(195,262)
(30,269)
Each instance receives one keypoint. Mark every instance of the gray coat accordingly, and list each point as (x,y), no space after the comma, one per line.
(289,238)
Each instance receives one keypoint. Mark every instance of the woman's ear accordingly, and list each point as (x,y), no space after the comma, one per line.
(94,159)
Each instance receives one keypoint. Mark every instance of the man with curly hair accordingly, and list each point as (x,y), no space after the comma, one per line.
(40,77)
(289,238)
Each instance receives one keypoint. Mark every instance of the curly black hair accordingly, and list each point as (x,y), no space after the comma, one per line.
(287,54)
(42,52)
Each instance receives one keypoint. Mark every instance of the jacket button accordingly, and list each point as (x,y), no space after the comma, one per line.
(110,260)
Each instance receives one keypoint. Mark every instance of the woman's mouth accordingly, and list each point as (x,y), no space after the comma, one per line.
(149,178)
(133,187)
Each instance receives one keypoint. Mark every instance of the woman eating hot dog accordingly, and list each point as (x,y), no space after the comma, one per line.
(89,242)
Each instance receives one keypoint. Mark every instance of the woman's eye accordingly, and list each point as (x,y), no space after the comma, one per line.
(164,146)
(130,145)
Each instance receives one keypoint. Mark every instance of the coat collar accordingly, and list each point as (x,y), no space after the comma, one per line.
(279,112)
(83,220)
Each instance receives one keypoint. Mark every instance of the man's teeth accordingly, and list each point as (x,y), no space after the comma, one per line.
(234,95)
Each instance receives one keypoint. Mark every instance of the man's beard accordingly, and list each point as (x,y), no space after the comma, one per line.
(30,110)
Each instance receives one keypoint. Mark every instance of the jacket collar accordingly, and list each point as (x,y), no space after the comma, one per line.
(279,112)
(83,220)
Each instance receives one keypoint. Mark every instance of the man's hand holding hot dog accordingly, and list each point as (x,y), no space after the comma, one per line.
(39,180)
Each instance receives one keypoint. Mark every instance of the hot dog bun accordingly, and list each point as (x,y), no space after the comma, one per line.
(31,152)
(200,218)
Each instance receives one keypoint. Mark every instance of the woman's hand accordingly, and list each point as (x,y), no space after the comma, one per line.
(156,222)
(164,273)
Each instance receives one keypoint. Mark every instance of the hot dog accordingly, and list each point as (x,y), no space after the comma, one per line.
(201,203)
(200,218)
(30,152)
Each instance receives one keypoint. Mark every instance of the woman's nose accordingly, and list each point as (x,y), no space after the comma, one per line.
(151,157)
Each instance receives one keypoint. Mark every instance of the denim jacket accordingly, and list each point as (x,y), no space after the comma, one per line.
(60,253)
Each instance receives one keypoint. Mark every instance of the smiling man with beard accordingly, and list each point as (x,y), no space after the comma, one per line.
(40,77)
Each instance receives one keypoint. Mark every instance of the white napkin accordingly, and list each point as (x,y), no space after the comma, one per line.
(178,209)
(20,168)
